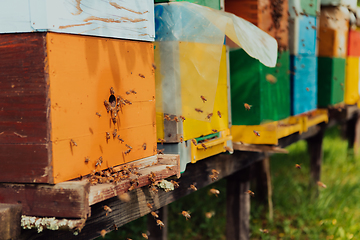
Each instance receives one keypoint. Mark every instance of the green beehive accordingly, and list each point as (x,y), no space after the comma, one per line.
(266,89)
(215,4)
(331,78)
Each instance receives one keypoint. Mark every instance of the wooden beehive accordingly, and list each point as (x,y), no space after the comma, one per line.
(333,32)
(303,84)
(354,43)
(266,89)
(352,80)
(304,7)
(331,79)
(215,4)
(270,16)
(53,90)
(302,35)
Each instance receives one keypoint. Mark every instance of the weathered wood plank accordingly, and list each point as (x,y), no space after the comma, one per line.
(102,192)
(238,205)
(117,19)
(258,148)
(124,212)
(68,199)
(10,216)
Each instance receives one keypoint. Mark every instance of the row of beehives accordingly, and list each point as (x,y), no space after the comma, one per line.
(88,102)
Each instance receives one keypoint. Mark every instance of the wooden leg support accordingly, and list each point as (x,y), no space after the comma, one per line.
(263,184)
(316,155)
(155,232)
(353,134)
(10,221)
(238,205)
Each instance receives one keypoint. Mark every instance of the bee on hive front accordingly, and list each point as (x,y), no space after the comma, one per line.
(98,114)
(73,143)
(107,136)
(199,110)
(256,133)
(112,91)
(219,114)
(182,118)
(145,236)
(194,142)
(204,146)
(209,116)
(203,98)
(161,140)
(107,209)
(192,186)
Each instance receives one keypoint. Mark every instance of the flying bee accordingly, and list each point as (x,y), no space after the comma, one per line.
(145,236)
(114,133)
(298,166)
(192,186)
(73,143)
(167,117)
(204,146)
(170,168)
(121,140)
(194,142)
(161,140)
(154,215)
(264,230)
(160,223)
(307,89)
(99,162)
(142,76)
(186,215)
(153,189)
(144,146)
(247,106)
(107,136)
(209,116)
(214,191)
(203,98)
(256,133)
(216,172)
(160,151)
(115,227)
(133,91)
(87,159)
(149,205)
(320,184)
(112,91)
(219,114)
(107,209)
(182,118)
(313,27)
(98,114)
(103,233)
(251,193)
(199,110)
(181,139)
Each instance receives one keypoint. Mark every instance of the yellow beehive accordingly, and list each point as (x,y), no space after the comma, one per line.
(352,80)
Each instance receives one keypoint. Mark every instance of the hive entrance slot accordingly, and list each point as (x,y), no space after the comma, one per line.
(112,100)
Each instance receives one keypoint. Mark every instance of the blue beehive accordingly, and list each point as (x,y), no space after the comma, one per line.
(302,35)
(303,83)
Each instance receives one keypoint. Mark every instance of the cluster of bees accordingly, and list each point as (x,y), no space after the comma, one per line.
(112,176)
(277,12)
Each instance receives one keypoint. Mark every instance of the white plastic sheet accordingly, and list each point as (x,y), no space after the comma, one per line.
(189,40)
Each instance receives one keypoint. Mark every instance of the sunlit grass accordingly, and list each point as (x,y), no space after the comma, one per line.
(335,214)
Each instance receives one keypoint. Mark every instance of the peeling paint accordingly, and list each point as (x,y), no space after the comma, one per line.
(74,25)
(111,20)
(78,2)
(115,5)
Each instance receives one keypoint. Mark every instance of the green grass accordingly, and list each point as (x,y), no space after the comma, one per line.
(335,214)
